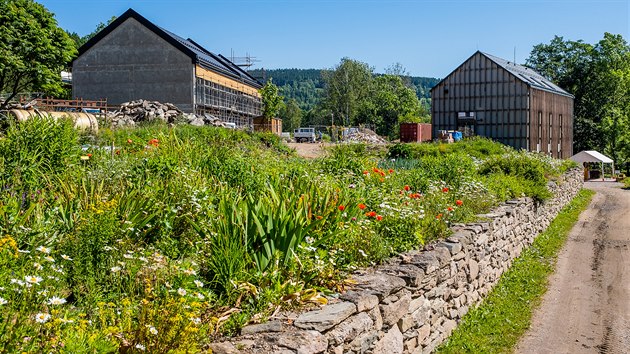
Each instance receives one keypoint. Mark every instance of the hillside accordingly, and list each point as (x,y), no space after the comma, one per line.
(307,85)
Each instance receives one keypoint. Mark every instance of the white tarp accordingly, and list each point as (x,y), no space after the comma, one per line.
(591,156)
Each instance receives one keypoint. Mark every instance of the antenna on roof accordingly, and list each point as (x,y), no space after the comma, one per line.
(514,54)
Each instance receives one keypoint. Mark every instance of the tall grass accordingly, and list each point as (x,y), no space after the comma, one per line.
(170,218)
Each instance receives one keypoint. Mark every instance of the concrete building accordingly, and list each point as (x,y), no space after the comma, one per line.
(510,103)
(133,58)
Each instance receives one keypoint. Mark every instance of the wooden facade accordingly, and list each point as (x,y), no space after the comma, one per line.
(273,125)
(491,97)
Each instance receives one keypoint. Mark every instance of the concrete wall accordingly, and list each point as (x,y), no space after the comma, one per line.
(412,303)
(134,63)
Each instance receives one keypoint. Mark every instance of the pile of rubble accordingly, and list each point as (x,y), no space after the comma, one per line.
(363,136)
(131,113)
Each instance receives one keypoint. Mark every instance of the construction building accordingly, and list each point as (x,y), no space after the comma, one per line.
(132,59)
(495,98)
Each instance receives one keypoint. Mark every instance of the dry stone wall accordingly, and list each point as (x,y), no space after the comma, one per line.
(412,303)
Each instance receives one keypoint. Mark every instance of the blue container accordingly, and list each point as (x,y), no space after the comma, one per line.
(457,136)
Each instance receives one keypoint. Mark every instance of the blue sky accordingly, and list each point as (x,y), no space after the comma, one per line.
(429,38)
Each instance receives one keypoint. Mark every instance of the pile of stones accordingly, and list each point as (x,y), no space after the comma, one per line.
(364,136)
(131,113)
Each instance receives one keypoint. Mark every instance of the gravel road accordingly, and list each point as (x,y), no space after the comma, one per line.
(587,306)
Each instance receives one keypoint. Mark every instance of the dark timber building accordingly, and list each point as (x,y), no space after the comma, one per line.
(510,103)
(134,59)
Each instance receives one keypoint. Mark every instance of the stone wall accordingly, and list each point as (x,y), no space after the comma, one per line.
(412,303)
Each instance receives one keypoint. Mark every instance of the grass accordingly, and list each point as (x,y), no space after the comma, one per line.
(192,232)
(504,316)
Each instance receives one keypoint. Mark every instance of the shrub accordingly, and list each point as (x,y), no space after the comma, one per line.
(35,148)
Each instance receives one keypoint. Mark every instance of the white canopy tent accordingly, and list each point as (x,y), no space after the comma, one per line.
(593,156)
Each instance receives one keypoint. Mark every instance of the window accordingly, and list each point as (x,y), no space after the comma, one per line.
(550,133)
(539,145)
(561,136)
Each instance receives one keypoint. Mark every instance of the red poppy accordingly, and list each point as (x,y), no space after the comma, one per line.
(342,208)
(438,216)
(129,141)
(445,190)
(365,172)
(382,179)
(154,142)
(450,209)
(406,187)
(89,155)
(390,171)
(379,218)
(459,202)
(370,214)
(376,170)
(117,152)
(361,206)
(319,217)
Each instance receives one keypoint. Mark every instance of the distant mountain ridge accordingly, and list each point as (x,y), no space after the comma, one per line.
(306,86)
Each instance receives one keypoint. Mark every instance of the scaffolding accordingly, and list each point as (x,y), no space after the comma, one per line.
(227,104)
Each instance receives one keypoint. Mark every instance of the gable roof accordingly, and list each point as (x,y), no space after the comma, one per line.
(522,73)
(196,52)
(527,75)
(591,156)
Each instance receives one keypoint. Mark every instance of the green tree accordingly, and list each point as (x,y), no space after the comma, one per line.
(599,78)
(291,115)
(79,41)
(271,100)
(389,101)
(33,49)
(346,88)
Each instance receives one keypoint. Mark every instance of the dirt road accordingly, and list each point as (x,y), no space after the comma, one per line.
(587,306)
(309,150)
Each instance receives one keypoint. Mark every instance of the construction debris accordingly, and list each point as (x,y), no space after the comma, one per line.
(363,135)
(131,113)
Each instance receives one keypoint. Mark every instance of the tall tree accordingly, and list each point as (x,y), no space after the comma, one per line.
(271,100)
(291,115)
(389,101)
(33,49)
(346,87)
(79,41)
(598,75)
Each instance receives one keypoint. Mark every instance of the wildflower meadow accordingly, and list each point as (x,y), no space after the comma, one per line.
(159,239)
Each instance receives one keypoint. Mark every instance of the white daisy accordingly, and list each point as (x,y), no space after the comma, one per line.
(140,347)
(42,317)
(67,258)
(190,271)
(115,269)
(56,301)
(181,291)
(49,259)
(152,330)
(3,301)
(200,296)
(43,249)
(38,266)
(198,283)
(32,279)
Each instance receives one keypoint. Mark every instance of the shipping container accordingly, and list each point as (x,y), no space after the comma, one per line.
(415,132)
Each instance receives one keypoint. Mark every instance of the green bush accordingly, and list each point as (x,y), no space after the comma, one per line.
(35,148)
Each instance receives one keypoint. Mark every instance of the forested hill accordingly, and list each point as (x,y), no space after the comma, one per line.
(306,85)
